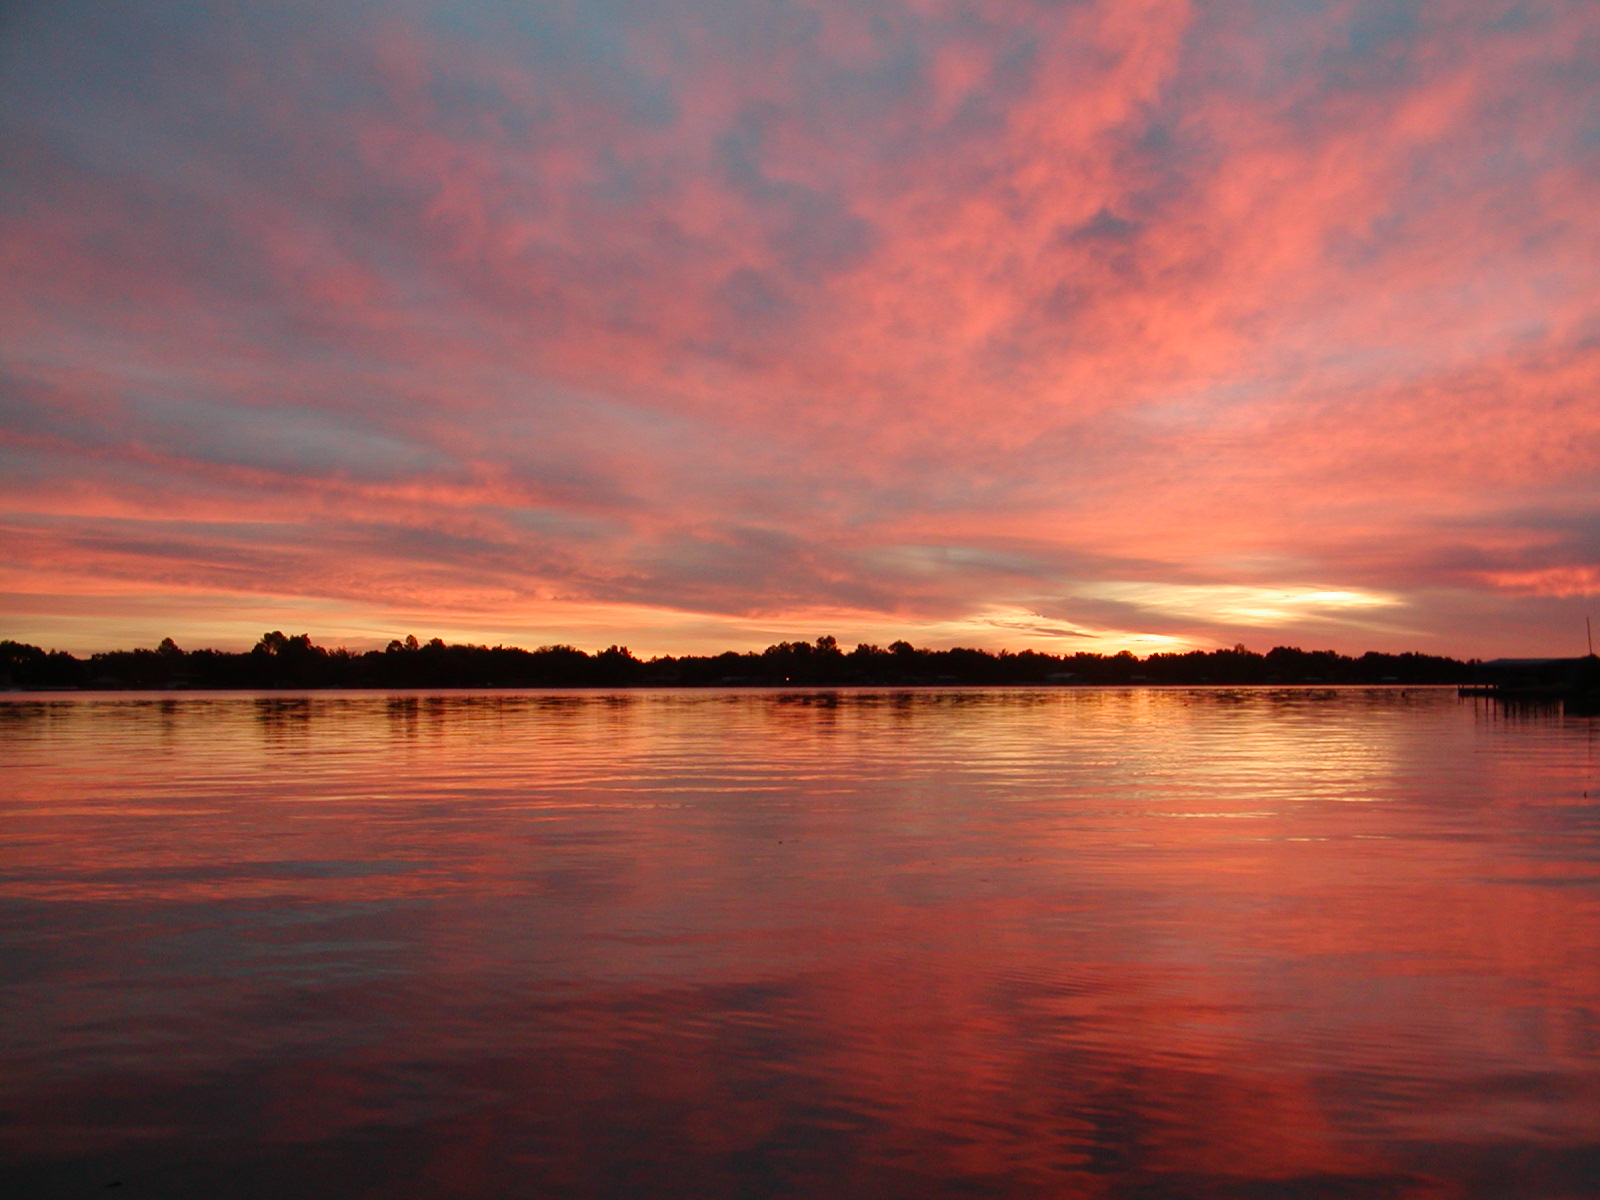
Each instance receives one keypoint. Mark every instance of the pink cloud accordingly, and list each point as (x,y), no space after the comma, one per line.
(920,312)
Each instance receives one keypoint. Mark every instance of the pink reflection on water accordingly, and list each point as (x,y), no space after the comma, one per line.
(1096,943)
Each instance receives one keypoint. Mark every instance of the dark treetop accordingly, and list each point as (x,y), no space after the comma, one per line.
(280,661)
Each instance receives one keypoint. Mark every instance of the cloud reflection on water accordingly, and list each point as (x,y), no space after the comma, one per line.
(1246,942)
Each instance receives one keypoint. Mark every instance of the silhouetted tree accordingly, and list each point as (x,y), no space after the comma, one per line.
(278,660)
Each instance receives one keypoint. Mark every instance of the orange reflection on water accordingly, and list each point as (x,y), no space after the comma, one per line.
(1079,943)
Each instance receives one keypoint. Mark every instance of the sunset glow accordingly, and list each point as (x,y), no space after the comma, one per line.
(1142,324)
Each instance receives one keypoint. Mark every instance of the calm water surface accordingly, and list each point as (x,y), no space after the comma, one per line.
(1121,943)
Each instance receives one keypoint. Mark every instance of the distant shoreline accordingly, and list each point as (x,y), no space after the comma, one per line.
(279,662)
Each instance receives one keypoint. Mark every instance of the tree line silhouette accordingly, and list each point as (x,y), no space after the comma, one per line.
(282,661)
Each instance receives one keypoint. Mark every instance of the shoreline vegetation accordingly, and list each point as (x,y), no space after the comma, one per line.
(295,662)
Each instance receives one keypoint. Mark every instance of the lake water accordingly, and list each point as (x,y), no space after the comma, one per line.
(1100,943)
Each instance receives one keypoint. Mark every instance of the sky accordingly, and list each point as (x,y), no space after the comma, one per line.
(1079,325)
